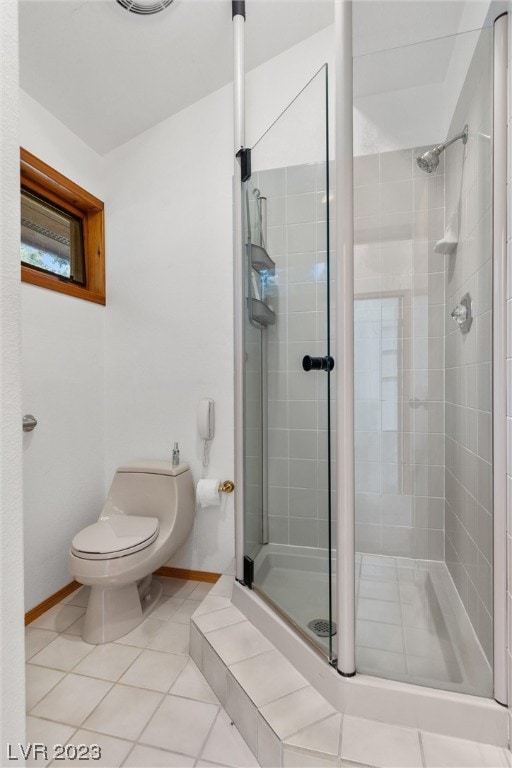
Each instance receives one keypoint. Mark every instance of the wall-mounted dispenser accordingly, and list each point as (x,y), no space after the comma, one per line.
(206,425)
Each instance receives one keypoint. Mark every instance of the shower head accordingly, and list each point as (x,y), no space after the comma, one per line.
(429,160)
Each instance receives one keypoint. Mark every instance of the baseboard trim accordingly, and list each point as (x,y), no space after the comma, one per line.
(41,608)
(183,573)
(168,572)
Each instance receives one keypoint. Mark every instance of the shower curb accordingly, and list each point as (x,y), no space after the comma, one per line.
(262,725)
(281,715)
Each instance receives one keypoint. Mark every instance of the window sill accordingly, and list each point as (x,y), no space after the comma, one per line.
(54,284)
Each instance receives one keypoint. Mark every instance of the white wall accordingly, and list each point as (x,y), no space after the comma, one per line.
(399,97)
(63,386)
(12,698)
(271,87)
(389,116)
(393,120)
(169,319)
(169,331)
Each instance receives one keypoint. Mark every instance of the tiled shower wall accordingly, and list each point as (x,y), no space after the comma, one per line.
(297,401)
(399,356)
(469,510)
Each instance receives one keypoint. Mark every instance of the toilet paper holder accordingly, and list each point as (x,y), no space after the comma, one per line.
(227,486)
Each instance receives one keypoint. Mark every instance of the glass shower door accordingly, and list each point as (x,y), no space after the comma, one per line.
(288,489)
(423,360)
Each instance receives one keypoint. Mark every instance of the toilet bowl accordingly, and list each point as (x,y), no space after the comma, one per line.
(148,515)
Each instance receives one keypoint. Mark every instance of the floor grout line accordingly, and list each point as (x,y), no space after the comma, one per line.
(118,682)
(217,716)
(422,750)
(134,744)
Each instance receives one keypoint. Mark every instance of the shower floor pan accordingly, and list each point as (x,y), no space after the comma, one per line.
(411,624)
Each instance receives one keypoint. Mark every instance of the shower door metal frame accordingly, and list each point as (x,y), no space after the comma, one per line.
(499,363)
(344,216)
(238,279)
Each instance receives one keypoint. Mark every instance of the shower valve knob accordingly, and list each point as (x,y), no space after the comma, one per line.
(318,363)
(463,313)
(460,313)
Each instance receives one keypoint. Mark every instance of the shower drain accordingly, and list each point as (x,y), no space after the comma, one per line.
(322,627)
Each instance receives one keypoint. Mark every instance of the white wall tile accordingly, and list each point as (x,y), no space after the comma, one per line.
(301,208)
(243,712)
(396,165)
(368,742)
(294,759)
(214,671)
(301,179)
(396,196)
(269,751)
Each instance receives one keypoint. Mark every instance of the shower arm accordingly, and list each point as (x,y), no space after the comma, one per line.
(462,135)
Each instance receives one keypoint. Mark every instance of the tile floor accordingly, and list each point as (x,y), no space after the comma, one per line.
(141,698)
(145,702)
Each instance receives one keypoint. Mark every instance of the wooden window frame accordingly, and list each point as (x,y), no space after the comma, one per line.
(40,178)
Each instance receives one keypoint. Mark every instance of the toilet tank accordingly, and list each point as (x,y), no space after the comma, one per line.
(152,489)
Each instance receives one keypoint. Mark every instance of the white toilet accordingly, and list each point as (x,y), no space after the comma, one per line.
(148,515)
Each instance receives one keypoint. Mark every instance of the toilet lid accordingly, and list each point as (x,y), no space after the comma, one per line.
(115,536)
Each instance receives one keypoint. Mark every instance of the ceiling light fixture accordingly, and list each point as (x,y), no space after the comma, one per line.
(145,7)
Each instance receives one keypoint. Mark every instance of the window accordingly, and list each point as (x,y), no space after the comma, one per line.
(62,233)
(52,239)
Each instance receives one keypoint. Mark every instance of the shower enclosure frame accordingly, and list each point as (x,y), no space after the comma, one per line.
(429,708)
(238,12)
(499,365)
(345,470)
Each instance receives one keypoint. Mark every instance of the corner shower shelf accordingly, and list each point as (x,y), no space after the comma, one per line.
(261,313)
(260,260)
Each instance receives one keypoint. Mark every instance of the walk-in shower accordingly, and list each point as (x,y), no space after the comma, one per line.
(421,526)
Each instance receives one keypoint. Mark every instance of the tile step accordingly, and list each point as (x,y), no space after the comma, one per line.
(283,718)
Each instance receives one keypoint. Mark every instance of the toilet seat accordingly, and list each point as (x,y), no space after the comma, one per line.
(115,536)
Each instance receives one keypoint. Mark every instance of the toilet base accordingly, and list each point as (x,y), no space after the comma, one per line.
(113,612)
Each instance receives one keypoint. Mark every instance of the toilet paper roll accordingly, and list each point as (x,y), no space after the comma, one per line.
(208,493)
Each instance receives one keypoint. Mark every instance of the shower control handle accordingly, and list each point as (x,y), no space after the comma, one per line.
(463,313)
(318,363)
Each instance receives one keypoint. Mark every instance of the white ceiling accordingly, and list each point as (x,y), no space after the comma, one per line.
(109,74)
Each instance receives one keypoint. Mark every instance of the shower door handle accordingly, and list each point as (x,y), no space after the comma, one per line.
(318,363)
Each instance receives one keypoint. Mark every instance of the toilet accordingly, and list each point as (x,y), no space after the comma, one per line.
(148,515)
